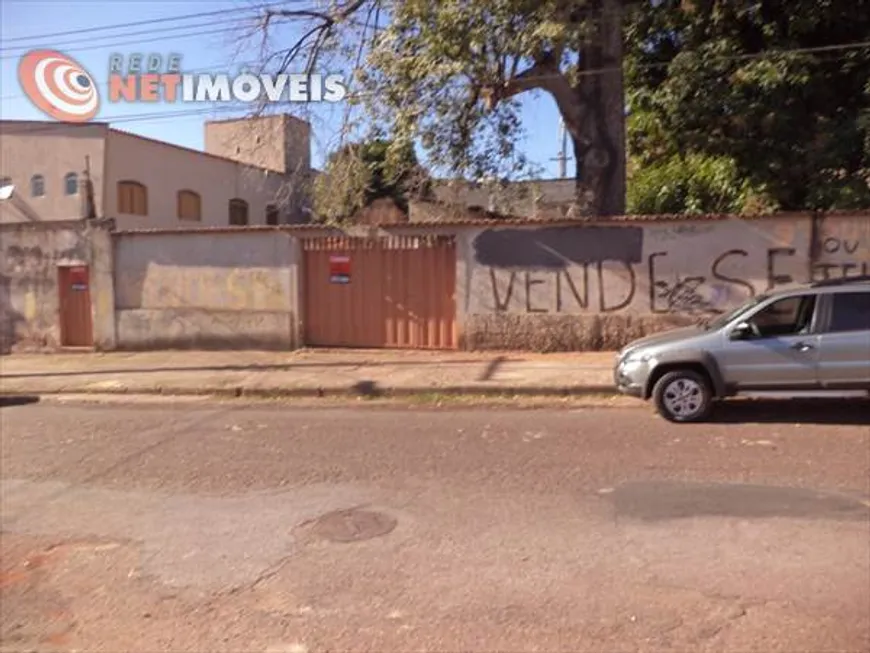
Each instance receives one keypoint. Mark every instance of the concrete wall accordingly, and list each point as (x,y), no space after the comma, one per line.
(519,286)
(52,150)
(166,169)
(230,289)
(520,198)
(596,287)
(29,293)
(280,142)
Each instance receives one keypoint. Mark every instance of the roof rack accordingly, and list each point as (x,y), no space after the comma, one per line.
(843,281)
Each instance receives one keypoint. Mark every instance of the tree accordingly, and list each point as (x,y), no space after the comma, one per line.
(693,184)
(447,75)
(359,173)
(772,85)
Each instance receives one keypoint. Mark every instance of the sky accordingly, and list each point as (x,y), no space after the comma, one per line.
(206,44)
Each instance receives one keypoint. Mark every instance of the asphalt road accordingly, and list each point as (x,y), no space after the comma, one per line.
(226,527)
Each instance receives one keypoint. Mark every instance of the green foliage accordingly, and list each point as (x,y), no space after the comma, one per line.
(693,184)
(755,92)
(753,82)
(441,73)
(447,76)
(360,173)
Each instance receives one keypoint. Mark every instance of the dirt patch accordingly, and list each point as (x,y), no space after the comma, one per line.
(35,614)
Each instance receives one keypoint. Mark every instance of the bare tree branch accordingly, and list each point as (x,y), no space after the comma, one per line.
(292,52)
(376,25)
(328,18)
(359,57)
(315,50)
(321,31)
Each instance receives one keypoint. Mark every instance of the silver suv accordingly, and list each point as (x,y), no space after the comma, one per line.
(815,337)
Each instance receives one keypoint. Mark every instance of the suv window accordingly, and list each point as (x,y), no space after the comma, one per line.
(785,317)
(850,311)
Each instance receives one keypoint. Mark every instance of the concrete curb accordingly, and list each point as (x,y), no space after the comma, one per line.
(349,392)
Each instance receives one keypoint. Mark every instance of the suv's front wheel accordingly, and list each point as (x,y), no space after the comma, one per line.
(683,396)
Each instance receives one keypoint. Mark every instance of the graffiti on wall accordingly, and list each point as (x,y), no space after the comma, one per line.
(841,256)
(604,270)
(567,289)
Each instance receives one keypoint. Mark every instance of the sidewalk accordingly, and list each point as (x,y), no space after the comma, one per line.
(308,373)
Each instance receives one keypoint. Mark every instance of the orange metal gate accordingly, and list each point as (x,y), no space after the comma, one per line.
(388,292)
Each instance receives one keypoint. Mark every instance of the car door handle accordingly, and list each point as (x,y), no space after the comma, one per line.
(802,346)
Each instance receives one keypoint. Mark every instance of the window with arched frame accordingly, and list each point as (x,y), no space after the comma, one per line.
(189,205)
(132,198)
(238,212)
(37,186)
(71,184)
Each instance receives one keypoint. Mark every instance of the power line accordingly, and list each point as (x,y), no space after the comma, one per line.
(152,21)
(361,94)
(207,69)
(195,30)
(859,45)
(140,117)
(18,50)
(93,40)
(156,39)
(149,116)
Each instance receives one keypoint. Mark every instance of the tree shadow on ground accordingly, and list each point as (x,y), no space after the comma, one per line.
(7,401)
(853,411)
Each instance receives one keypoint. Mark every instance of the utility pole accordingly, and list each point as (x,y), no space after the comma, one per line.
(89,208)
(563,157)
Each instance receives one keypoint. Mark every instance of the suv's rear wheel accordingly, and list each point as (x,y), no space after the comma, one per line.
(683,396)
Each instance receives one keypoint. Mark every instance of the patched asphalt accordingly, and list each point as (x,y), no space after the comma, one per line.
(224,526)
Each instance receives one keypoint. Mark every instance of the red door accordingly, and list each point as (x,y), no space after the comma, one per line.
(75,307)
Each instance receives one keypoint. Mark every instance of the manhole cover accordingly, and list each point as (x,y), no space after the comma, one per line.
(353,525)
